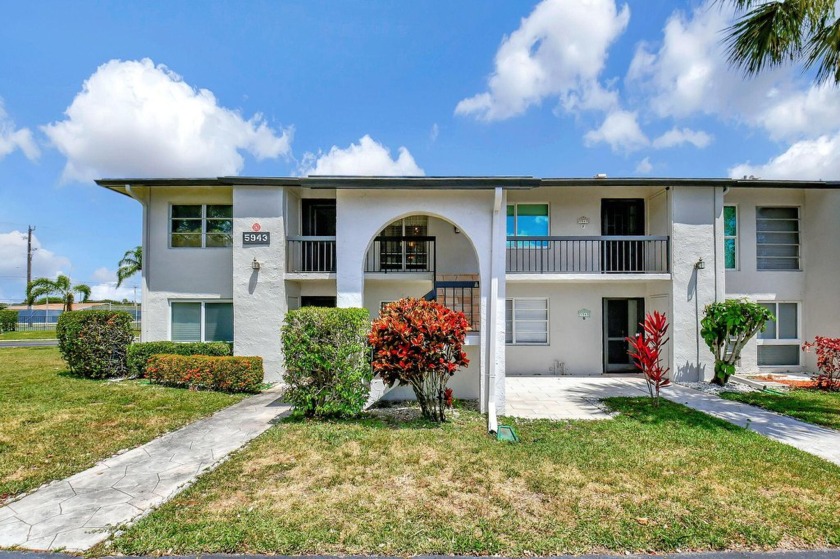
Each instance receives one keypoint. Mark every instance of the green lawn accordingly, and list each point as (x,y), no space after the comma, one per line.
(648,481)
(813,406)
(28,335)
(53,424)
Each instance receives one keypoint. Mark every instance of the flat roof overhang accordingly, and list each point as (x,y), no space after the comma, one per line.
(457,182)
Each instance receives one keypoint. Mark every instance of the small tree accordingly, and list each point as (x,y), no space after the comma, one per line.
(60,286)
(131,263)
(727,327)
(646,351)
(420,343)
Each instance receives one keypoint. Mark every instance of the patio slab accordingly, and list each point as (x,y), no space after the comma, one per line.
(566,397)
(77,513)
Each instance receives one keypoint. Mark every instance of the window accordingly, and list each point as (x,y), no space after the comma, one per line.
(202,322)
(730,237)
(527,220)
(201,225)
(778,344)
(406,245)
(777,238)
(526,321)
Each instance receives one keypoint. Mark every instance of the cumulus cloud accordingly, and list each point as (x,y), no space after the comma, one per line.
(45,263)
(135,118)
(366,158)
(817,159)
(558,51)
(13,138)
(688,74)
(644,166)
(679,136)
(620,130)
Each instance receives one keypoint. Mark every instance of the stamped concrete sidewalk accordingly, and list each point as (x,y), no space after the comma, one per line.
(78,512)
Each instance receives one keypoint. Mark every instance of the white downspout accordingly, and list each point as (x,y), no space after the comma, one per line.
(492,307)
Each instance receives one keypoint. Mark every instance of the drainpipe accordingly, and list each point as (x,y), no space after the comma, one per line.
(493,310)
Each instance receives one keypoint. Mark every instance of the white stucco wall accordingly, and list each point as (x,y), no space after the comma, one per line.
(259,296)
(696,232)
(575,342)
(171,274)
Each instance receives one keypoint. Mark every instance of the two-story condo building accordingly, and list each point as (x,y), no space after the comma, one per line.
(553,274)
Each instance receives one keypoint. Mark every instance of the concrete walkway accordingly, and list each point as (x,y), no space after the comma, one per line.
(579,398)
(76,513)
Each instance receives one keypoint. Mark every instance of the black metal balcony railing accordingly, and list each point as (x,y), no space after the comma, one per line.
(588,255)
(310,254)
(461,296)
(401,254)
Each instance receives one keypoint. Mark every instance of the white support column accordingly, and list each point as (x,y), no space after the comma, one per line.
(259,296)
(695,224)
(350,247)
(496,315)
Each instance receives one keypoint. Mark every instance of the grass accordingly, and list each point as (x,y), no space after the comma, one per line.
(53,424)
(813,406)
(28,335)
(648,481)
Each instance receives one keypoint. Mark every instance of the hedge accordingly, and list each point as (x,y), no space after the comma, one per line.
(328,372)
(94,343)
(139,353)
(226,374)
(8,321)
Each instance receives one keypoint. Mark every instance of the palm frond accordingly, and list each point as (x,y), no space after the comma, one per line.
(768,35)
(83,290)
(824,53)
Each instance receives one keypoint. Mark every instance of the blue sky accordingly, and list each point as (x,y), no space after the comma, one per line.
(555,88)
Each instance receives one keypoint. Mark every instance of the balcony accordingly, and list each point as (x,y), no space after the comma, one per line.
(588,255)
(310,255)
(401,255)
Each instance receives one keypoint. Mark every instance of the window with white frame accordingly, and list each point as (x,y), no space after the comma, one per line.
(201,321)
(201,225)
(730,237)
(526,321)
(779,343)
(777,238)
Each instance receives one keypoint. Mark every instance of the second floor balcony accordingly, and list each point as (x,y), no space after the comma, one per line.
(312,254)
(588,255)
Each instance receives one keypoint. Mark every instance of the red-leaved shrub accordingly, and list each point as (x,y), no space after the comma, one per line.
(420,343)
(225,374)
(828,361)
(646,351)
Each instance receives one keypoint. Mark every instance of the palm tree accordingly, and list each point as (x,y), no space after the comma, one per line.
(131,263)
(60,286)
(772,32)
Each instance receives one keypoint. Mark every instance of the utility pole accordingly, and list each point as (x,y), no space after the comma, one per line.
(29,252)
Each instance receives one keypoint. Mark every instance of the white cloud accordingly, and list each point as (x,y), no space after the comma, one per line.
(679,136)
(107,286)
(620,131)
(366,158)
(688,74)
(644,166)
(45,263)
(133,118)
(559,50)
(12,138)
(817,159)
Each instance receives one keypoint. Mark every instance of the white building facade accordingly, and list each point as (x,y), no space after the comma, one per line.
(553,274)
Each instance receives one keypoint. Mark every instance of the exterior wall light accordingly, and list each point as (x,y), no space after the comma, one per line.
(584,313)
(700,265)
(457,231)
(583,221)
(255,265)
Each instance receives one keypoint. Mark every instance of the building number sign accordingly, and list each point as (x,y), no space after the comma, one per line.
(256,238)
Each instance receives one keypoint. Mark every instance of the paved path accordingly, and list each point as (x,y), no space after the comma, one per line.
(579,398)
(28,343)
(76,513)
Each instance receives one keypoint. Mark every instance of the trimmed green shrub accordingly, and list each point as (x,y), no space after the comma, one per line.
(8,321)
(139,353)
(226,374)
(94,343)
(328,371)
